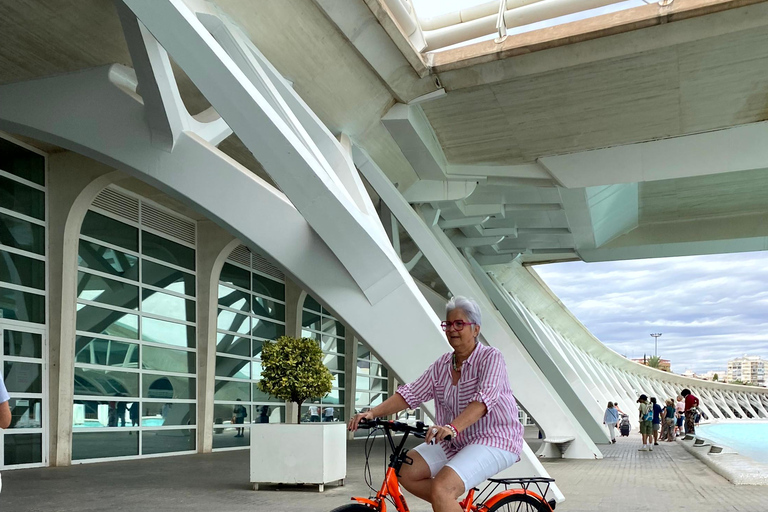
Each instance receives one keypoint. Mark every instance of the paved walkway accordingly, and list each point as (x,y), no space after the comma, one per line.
(667,479)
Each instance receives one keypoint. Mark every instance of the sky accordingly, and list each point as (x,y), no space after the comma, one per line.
(709,309)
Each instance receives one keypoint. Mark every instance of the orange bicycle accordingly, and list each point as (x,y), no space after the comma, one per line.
(520,498)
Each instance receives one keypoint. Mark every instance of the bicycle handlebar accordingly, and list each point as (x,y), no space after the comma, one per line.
(420,430)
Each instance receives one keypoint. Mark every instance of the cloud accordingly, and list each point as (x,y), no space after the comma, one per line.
(709,309)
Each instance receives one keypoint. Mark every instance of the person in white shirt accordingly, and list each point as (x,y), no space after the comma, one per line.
(328,414)
(5,411)
(314,413)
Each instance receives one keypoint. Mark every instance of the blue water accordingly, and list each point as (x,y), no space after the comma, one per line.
(749,439)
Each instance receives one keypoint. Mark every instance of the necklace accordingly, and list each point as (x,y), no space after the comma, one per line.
(456,367)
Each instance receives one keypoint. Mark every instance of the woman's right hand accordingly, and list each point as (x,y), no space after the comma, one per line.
(355,421)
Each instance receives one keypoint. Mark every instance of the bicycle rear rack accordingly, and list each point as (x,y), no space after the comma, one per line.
(538,484)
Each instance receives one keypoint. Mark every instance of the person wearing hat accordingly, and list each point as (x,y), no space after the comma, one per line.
(646,423)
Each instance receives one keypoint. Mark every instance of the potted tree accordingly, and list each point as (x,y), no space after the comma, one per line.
(314,453)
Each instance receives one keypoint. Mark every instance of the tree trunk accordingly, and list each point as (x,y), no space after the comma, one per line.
(298,411)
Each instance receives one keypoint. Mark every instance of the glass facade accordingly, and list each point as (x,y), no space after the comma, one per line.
(318,323)
(23,317)
(251,312)
(135,348)
(371,377)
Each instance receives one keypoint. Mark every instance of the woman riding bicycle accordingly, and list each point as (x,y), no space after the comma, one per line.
(474,406)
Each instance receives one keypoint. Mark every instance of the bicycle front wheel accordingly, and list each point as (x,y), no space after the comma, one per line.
(353,507)
(520,503)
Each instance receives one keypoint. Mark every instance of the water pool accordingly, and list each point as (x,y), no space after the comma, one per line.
(749,439)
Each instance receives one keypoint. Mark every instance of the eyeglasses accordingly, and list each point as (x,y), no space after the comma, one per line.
(458,325)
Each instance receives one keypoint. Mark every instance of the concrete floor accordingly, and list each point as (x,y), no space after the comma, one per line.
(668,478)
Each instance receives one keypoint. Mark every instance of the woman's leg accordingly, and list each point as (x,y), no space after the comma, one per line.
(447,486)
(417,477)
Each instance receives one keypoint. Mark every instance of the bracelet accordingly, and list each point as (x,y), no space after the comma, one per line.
(454,430)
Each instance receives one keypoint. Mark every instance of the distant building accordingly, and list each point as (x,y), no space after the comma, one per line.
(664,364)
(690,374)
(710,375)
(747,369)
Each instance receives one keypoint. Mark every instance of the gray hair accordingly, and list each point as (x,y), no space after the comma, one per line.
(467,305)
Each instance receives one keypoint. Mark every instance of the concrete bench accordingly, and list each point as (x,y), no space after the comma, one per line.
(554,447)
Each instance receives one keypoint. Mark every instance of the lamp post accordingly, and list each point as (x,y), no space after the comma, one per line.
(655,336)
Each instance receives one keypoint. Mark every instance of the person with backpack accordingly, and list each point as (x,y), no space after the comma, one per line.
(656,420)
(646,423)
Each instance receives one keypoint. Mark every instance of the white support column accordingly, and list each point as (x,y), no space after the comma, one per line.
(213,247)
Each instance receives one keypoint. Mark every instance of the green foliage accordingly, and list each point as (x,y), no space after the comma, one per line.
(654,361)
(742,383)
(292,369)
(715,377)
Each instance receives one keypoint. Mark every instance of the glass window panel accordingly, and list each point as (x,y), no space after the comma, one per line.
(23,377)
(363,367)
(310,334)
(167,278)
(98,445)
(17,269)
(338,380)
(23,449)
(332,344)
(332,327)
(22,344)
(311,303)
(107,260)
(21,234)
(233,345)
(363,352)
(107,321)
(377,398)
(105,413)
(107,229)
(257,346)
(362,383)
(22,162)
(167,441)
(226,437)
(158,414)
(310,320)
(362,399)
(230,367)
(223,414)
(230,321)
(170,306)
(167,360)
(22,198)
(168,387)
(106,352)
(164,249)
(268,330)
(260,396)
(169,333)
(268,308)
(235,275)
(333,362)
(234,299)
(269,287)
(379,385)
(336,396)
(232,390)
(256,370)
(107,291)
(26,412)
(27,307)
(106,383)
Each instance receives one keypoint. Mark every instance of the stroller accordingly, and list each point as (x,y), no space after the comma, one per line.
(624,426)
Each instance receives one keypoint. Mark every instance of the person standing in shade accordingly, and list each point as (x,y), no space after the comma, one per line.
(646,423)
(611,418)
(679,415)
(656,420)
(314,413)
(691,410)
(5,411)
(238,415)
(328,414)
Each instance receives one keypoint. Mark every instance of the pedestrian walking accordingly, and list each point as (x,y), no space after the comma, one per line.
(610,419)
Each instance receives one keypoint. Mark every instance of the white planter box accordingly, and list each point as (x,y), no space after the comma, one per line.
(308,453)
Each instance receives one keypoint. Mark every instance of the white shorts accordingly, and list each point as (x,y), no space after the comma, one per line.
(474,463)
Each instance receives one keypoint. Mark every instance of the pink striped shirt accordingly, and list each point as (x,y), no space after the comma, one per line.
(483,379)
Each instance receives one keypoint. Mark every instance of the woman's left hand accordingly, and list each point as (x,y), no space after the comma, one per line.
(436,433)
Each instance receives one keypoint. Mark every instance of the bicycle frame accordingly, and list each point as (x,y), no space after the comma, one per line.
(390,488)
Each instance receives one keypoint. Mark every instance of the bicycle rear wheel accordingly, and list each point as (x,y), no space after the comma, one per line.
(353,507)
(520,503)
